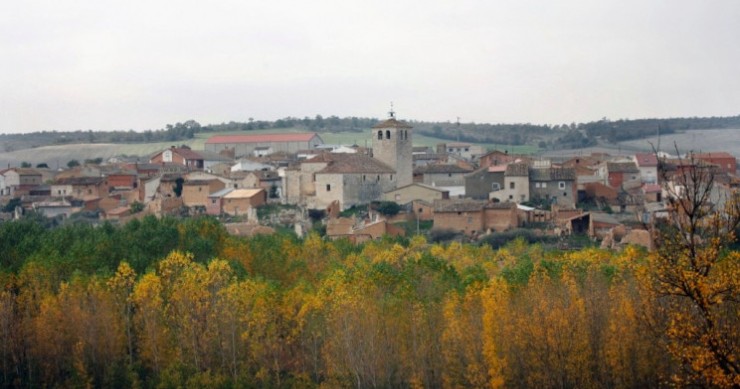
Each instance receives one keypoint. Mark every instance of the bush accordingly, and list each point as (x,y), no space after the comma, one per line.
(387,208)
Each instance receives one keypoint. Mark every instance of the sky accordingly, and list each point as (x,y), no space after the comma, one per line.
(119,65)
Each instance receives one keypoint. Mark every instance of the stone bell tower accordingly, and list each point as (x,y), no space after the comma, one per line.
(392,145)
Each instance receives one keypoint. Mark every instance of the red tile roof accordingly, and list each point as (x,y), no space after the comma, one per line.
(262,138)
(718,154)
(646,159)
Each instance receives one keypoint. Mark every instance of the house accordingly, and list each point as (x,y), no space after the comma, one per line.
(647,164)
(462,215)
(480,183)
(500,216)
(122,179)
(216,201)
(183,156)
(653,193)
(725,161)
(620,174)
(555,185)
(249,166)
(429,159)
(416,191)
(516,184)
(80,187)
(19,180)
(243,201)
(464,150)
(496,157)
(211,159)
(195,192)
(362,230)
(143,170)
(441,175)
(245,145)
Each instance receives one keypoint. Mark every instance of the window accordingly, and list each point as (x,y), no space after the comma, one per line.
(565,194)
(328,187)
(391,177)
(544,185)
(523,198)
(467,149)
(449,174)
(511,185)
(421,210)
(511,197)
(496,186)
(397,197)
(363,177)
(378,179)
(380,134)
(388,134)
(561,184)
(536,184)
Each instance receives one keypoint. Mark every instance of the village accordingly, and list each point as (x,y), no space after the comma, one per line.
(456,187)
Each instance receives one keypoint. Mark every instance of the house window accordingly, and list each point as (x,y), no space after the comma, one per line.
(561,184)
(565,194)
(449,174)
(536,184)
(421,210)
(391,177)
(397,197)
(544,185)
(380,134)
(523,198)
(466,149)
(378,179)
(363,177)
(511,185)
(328,187)
(388,134)
(496,186)
(511,197)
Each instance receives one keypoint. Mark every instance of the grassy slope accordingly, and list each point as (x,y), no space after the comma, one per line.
(59,155)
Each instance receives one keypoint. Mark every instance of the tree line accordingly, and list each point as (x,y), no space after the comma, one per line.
(181,303)
(545,135)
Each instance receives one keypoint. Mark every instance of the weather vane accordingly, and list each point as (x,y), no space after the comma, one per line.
(391,112)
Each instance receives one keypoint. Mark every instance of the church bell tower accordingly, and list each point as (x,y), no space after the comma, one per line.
(392,145)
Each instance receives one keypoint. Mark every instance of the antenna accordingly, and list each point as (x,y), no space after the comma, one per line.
(392,113)
(458,128)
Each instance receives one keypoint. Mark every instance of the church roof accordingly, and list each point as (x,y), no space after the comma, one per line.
(392,123)
(352,163)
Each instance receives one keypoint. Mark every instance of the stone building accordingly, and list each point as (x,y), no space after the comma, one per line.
(441,175)
(392,145)
(480,183)
(556,185)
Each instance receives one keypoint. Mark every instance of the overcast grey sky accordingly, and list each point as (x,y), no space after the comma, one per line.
(104,65)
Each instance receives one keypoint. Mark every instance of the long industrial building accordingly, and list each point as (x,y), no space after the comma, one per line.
(244,145)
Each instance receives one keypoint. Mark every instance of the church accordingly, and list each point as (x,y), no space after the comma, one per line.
(355,179)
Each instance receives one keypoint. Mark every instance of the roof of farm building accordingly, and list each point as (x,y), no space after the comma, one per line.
(263,138)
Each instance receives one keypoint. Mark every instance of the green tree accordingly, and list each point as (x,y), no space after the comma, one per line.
(73,163)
